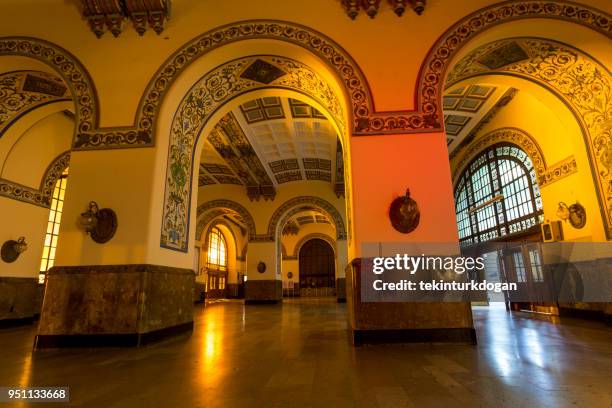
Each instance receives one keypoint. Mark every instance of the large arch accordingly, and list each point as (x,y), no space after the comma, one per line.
(209,94)
(427,116)
(578,80)
(42,196)
(315,235)
(210,210)
(546,174)
(297,204)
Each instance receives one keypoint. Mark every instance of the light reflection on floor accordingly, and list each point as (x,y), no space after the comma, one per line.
(298,355)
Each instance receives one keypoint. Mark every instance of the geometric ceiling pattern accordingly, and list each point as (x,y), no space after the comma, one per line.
(271,141)
(469,107)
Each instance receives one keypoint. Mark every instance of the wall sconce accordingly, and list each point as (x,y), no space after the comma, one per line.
(11,249)
(100,224)
(575,214)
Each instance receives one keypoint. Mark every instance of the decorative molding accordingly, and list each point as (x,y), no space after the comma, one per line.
(41,197)
(315,235)
(514,136)
(210,210)
(204,98)
(371,7)
(298,204)
(103,14)
(584,85)
(23,91)
(559,170)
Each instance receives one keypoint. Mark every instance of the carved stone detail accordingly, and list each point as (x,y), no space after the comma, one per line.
(42,196)
(110,14)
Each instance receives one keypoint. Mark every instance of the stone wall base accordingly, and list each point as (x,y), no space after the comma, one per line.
(112,305)
(20,300)
(263,292)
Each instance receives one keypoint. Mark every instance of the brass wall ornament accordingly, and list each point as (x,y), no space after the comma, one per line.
(261,267)
(100,224)
(575,214)
(404,213)
(11,249)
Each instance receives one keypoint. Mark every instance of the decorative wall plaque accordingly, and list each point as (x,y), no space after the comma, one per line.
(577,215)
(404,213)
(261,267)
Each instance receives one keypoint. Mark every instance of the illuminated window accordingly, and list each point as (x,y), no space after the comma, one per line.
(53,225)
(497,195)
(217,250)
(536,265)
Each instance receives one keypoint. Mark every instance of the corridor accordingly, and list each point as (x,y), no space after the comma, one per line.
(297,355)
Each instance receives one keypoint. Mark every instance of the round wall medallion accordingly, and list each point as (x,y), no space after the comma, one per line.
(404,214)
(577,215)
(106,226)
(290,275)
(261,267)
(8,252)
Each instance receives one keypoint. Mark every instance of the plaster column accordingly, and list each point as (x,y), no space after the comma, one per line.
(266,287)
(383,168)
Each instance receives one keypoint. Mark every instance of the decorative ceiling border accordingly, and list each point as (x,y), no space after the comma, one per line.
(366,120)
(42,196)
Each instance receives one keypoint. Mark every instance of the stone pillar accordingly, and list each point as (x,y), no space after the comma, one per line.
(383,167)
(263,287)
(114,293)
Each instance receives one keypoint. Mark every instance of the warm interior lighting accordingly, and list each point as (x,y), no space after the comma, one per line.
(53,225)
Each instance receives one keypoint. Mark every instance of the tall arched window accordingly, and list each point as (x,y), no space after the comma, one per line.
(497,195)
(53,225)
(217,250)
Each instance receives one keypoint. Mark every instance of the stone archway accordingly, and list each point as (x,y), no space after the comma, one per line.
(578,80)
(316,235)
(297,204)
(210,210)
(209,94)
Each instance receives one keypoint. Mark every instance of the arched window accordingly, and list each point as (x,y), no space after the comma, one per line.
(497,195)
(53,225)
(217,250)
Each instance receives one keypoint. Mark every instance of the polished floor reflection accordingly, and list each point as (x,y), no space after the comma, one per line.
(298,355)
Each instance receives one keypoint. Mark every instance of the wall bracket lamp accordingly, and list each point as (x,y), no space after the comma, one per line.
(100,224)
(11,249)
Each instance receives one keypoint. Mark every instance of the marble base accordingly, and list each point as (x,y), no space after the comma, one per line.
(20,300)
(114,305)
(263,292)
(400,322)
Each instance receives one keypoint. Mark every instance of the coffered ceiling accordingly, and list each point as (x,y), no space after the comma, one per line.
(469,107)
(268,142)
(311,216)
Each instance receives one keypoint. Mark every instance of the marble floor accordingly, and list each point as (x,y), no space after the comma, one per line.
(298,355)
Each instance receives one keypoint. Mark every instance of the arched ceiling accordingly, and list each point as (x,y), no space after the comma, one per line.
(308,216)
(469,107)
(268,142)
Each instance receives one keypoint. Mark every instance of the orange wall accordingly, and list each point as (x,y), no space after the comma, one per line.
(383,167)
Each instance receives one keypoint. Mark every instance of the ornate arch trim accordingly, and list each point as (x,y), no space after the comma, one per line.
(581,83)
(295,205)
(315,235)
(214,89)
(42,196)
(520,138)
(210,210)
